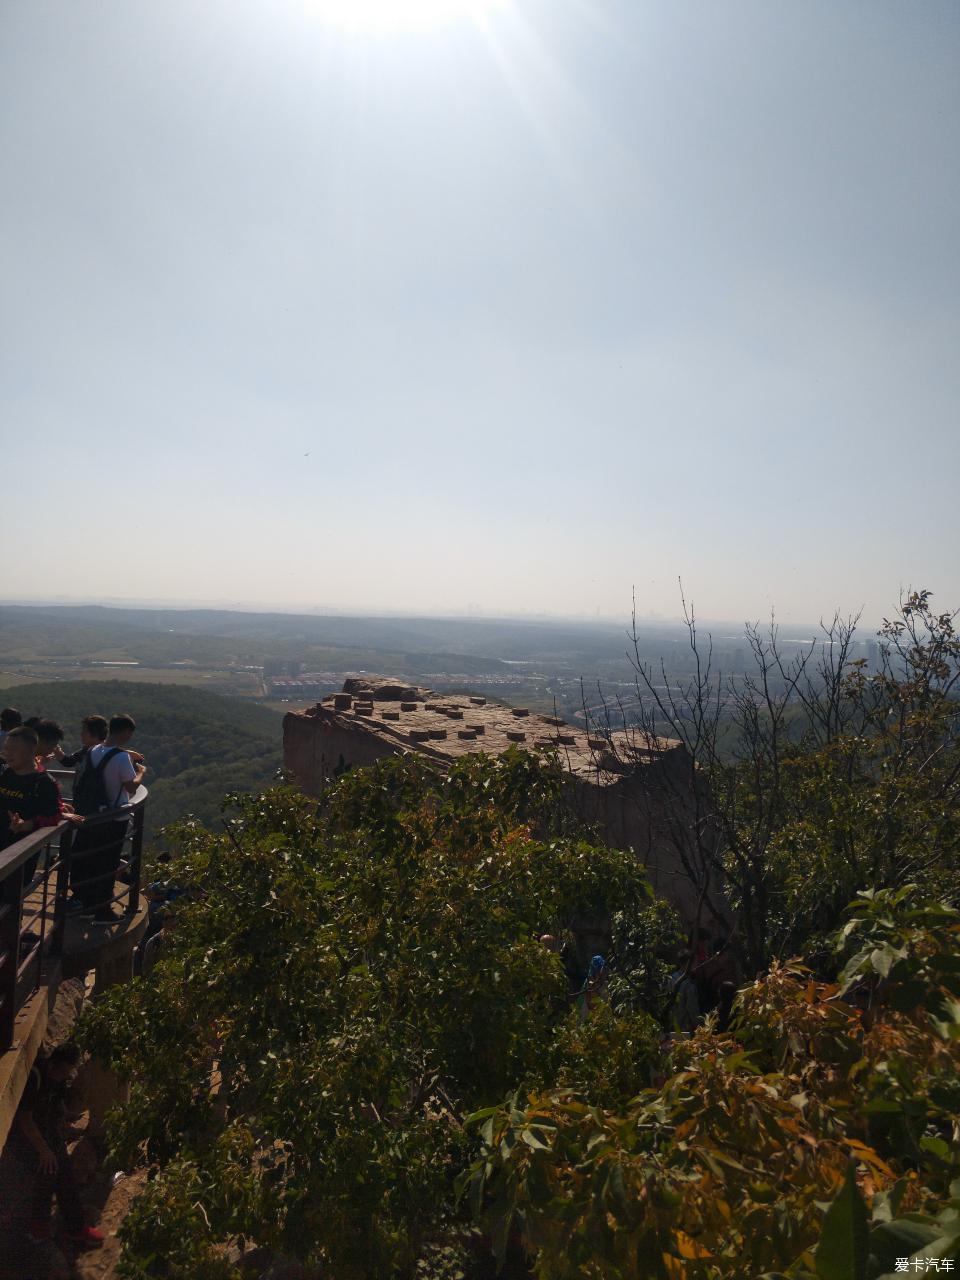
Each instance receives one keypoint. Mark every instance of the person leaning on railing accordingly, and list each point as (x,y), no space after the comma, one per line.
(49,737)
(29,797)
(93,731)
(109,781)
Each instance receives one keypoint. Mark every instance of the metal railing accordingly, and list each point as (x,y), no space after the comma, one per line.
(129,852)
(40,890)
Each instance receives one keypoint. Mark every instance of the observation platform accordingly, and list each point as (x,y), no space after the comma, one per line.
(47,934)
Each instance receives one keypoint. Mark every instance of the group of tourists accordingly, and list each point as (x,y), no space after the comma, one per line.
(107,774)
(700,985)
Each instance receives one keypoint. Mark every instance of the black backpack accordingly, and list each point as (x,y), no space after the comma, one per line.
(89,789)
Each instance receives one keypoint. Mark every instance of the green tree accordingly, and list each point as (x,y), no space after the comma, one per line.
(348,982)
(818,1141)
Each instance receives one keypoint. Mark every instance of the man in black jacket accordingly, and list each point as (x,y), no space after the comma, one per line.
(29,797)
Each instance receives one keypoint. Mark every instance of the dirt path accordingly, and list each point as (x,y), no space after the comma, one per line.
(115,1201)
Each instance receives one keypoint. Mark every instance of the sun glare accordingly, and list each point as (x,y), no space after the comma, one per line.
(382,15)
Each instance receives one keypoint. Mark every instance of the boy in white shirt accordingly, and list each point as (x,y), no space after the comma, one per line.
(121,777)
(98,849)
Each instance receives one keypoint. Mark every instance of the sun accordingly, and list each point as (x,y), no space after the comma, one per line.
(382,15)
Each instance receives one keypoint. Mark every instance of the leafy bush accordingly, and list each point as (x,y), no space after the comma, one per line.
(645,947)
(766,1153)
(348,981)
(612,1055)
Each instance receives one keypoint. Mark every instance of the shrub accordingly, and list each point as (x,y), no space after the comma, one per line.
(342,984)
(764,1154)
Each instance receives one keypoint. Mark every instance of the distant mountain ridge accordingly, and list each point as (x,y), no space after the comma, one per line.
(412,632)
(494,640)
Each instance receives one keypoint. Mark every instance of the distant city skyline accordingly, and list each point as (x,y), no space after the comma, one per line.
(503,306)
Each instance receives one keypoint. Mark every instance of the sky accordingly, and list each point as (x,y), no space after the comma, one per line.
(499,306)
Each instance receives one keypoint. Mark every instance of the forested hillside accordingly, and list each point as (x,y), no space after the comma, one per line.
(198,745)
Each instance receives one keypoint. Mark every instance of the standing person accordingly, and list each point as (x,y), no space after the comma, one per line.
(108,781)
(121,777)
(684,1003)
(38,1139)
(700,945)
(155,945)
(93,731)
(29,797)
(564,947)
(718,970)
(726,995)
(49,737)
(10,718)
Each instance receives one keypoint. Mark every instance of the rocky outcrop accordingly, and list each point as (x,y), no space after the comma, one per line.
(382,689)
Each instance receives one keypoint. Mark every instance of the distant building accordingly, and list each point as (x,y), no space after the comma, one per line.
(282,667)
(640,790)
(312,684)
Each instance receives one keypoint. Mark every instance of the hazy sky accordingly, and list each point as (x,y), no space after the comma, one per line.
(508,305)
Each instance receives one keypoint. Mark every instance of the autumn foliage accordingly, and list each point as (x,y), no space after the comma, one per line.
(818,1139)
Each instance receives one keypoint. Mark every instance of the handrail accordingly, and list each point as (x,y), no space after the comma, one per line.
(124,810)
(106,815)
(15,855)
(36,874)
